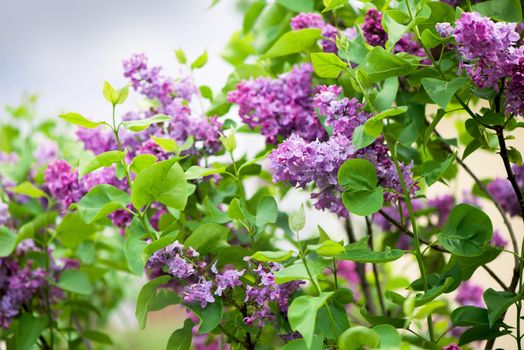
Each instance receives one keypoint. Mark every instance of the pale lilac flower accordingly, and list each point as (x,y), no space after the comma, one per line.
(470,294)
(444,29)
(199,292)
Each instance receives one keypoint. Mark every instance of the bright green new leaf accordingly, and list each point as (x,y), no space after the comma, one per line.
(113,95)
(381,65)
(7,241)
(276,256)
(358,337)
(370,256)
(181,56)
(105,159)
(77,119)
(142,124)
(73,230)
(142,161)
(294,42)
(327,65)
(163,182)
(100,201)
(298,6)
(373,126)
(200,61)
(334,5)
(297,220)
(327,248)
(196,171)
(28,189)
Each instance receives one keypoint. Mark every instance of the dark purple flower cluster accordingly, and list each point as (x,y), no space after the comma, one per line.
(62,182)
(204,282)
(300,162)
(315,20)
(264,292)
(503,192)
(18,285)
(280,107)
(375,35)
(490,56)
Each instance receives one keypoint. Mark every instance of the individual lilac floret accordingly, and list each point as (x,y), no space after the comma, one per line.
(470,294)
(498,240)
(280,107)
(199,292)
(227,279)
(444,29)
(484,46)
(443,204)
(315,20)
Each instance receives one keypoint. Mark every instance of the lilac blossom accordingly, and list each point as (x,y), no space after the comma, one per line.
(470,294)
(4,213)
(199,292)
(62,183)
(503,192)
(443,205)
(452,347)
(315,20)
(280,107)
(498,240)
(444,29)
(300,162)
(515,87)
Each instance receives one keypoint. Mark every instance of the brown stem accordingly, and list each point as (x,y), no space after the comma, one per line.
(364,285)
(375,269)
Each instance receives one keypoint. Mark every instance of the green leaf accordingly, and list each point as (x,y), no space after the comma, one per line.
(229,142)
(196,171)
(502,10)
(180,56)
(100,201)
(7,241)
(361,139)
(389,336)
(29,329)
(333,5)
(77,119)
(467,231)
(387,94)
(438,117)
(358,177)
(394,29)
(327,248)
(297,220)
(467,316)
(441,91)
(97,337)
(358,337)
(383,320)
(381,64)
(75,281)
(433,293)
(105,159)
(327,65)
(300,344)
(73,230)
(200,61)
(113,95)
(134,252)
(142,161)
(267,211)
(210,316)
(298,6)
(208,238)
(469,265)
(28,189)
(433,170)
(142,124)
(373,126)
(145,297)
(276,256)
(181,338)
(297,271)
(163,182)
(294,42)
(498,303)
(302,314)
(370,256)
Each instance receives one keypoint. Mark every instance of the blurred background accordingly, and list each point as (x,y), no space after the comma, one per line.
(63,51)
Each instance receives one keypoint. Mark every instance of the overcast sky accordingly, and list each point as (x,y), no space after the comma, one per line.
(64,50)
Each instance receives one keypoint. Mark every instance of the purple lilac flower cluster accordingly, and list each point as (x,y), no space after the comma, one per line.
(264,292)
(490,55)
(280,107)
(183,263)
(300,162)
(4,213)
(315,20)
(375,35)
(173,97)
(18,285)
(503,192)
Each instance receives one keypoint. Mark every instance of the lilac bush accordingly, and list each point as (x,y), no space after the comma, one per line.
(174,198)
